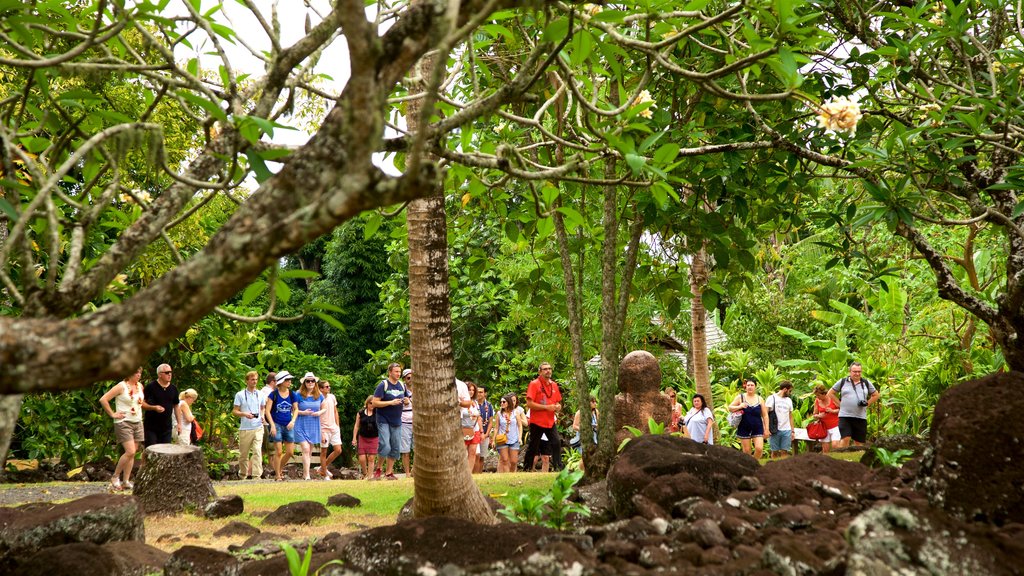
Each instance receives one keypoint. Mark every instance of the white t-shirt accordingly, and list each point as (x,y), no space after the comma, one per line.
(783,407)
(462,389)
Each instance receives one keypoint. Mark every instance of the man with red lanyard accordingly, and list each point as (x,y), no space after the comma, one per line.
(544,401)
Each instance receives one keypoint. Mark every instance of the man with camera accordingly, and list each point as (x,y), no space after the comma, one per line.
(855,395)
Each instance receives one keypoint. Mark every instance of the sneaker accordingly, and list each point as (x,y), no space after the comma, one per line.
(376,474)
(391,477)
(129,486)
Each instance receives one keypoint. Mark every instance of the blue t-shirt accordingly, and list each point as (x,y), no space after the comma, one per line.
(281,410)
(390,415)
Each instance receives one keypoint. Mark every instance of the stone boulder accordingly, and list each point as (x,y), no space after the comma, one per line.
(892,444)
(198,561)
(976,436)
(344,500)
(640,397)
(174,480)
(224,507)
(408,547)
(808,479)
(301,512)
(98,518)
(664,470)
(921,540)
(70,560)
(236,528)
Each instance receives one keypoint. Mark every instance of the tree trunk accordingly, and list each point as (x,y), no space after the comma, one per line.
(698,320)
(10,407)
(573,304)
(443,484)
(173,480)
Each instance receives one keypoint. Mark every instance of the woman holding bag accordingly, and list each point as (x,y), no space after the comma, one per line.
(827,412)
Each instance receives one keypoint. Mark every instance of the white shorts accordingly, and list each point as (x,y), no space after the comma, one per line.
(330,437)
(485,444)
(833,435)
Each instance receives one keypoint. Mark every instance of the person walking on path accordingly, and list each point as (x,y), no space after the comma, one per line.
(281,409)
(307,426)
(248,408)
(486,415)
(269,385)
(127,415)
(407,443)
(781,404)
(855,395)
(330,431)
(544,401)
(159,402)
(365,440)
(389,397)
(754,424)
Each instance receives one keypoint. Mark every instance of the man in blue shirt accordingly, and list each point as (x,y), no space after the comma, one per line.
(388,399)
(486,414)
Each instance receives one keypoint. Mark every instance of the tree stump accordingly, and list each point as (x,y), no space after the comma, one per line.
(173,480)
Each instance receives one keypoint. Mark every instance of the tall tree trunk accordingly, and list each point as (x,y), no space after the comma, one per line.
(443,484)
(698,323)
(574,308)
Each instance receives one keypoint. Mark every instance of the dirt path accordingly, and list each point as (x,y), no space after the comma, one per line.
(17,494)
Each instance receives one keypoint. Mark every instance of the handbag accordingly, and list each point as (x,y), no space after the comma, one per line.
(735,418)
(467,433)
(816,430)
(501,439)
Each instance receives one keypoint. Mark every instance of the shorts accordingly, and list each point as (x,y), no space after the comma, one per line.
(389,438)
(781,441)
(474,440)
(512,446)
(154,437)
(367,446)
(856,428)
(833,435)
(406,445)
(329,437)
(283,435)
(485,443)
(126,431)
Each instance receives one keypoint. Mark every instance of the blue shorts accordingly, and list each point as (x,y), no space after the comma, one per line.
(283,434)
(512,446)
(390,443)
(781,441)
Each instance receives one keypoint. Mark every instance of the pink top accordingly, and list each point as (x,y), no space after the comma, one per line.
(327,419)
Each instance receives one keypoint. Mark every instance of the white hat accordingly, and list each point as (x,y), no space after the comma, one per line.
(284,375)
(406,372)
(310,376)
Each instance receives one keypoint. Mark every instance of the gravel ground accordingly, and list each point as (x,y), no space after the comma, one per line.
(18,494)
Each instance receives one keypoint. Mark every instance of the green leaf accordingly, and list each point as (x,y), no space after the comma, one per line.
(636,163)
(211,108)
(1018,209)
(710,299)
(252,292)
(556,31)
(371,226)
(259,167)
(666,153)
(283,292)
(35,144)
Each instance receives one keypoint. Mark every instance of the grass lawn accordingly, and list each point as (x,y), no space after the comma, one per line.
(381,502)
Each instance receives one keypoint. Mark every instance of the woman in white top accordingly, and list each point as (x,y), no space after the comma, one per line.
(699,422)
(183,416)
(471,427)
(127,415)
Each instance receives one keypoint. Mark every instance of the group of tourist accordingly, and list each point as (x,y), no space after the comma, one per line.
(277,415)
(842,409)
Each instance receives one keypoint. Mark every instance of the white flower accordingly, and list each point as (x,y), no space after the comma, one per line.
(839,115)
(643,98)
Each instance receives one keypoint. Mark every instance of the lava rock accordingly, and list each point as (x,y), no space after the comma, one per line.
(301,512)
(224,506)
